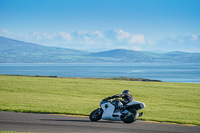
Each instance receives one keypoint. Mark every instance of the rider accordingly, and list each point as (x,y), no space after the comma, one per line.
(126,96)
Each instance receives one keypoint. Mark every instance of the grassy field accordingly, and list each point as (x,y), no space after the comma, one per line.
(168,102)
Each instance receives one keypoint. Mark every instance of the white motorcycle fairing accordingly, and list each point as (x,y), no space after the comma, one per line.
(108,112)
(115,111)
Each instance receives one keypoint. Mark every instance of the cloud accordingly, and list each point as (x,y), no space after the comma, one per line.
(6,32)
(82,32)
(98,34)
(9,34)
(126,37)
(121,34)
(184,39)
(111,39)
(42,36)
(194,37)
(137,39)
(95,34)
(65,36)
(37,35)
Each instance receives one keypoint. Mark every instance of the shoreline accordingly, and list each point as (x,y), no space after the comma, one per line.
(103,78)
(115,78)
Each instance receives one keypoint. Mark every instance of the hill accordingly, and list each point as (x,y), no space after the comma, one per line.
(142,56)
(14,51)
(127,55)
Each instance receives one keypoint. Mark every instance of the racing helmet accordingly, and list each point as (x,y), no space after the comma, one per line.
(125,93)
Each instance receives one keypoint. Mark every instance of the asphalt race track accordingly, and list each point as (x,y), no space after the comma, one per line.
(30,122)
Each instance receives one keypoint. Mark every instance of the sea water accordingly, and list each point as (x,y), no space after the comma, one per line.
(188,73)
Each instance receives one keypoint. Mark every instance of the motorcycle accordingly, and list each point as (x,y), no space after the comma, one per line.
(115,111)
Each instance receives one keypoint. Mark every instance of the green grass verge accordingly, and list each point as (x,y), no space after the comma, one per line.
(167,102)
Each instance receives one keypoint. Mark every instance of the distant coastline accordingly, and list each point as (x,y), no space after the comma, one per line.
(117,78)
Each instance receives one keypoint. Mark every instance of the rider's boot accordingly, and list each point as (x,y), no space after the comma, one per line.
(140,114)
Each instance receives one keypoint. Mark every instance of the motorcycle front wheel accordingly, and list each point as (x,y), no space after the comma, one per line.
(96,114)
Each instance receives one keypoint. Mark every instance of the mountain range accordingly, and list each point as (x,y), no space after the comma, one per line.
(14,51)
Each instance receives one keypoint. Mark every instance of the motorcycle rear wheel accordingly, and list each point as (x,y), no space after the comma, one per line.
(132,118)
(96,114)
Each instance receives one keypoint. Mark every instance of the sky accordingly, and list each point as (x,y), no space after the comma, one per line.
(101,25)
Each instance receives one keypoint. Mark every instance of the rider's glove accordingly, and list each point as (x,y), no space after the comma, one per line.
(118,96)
